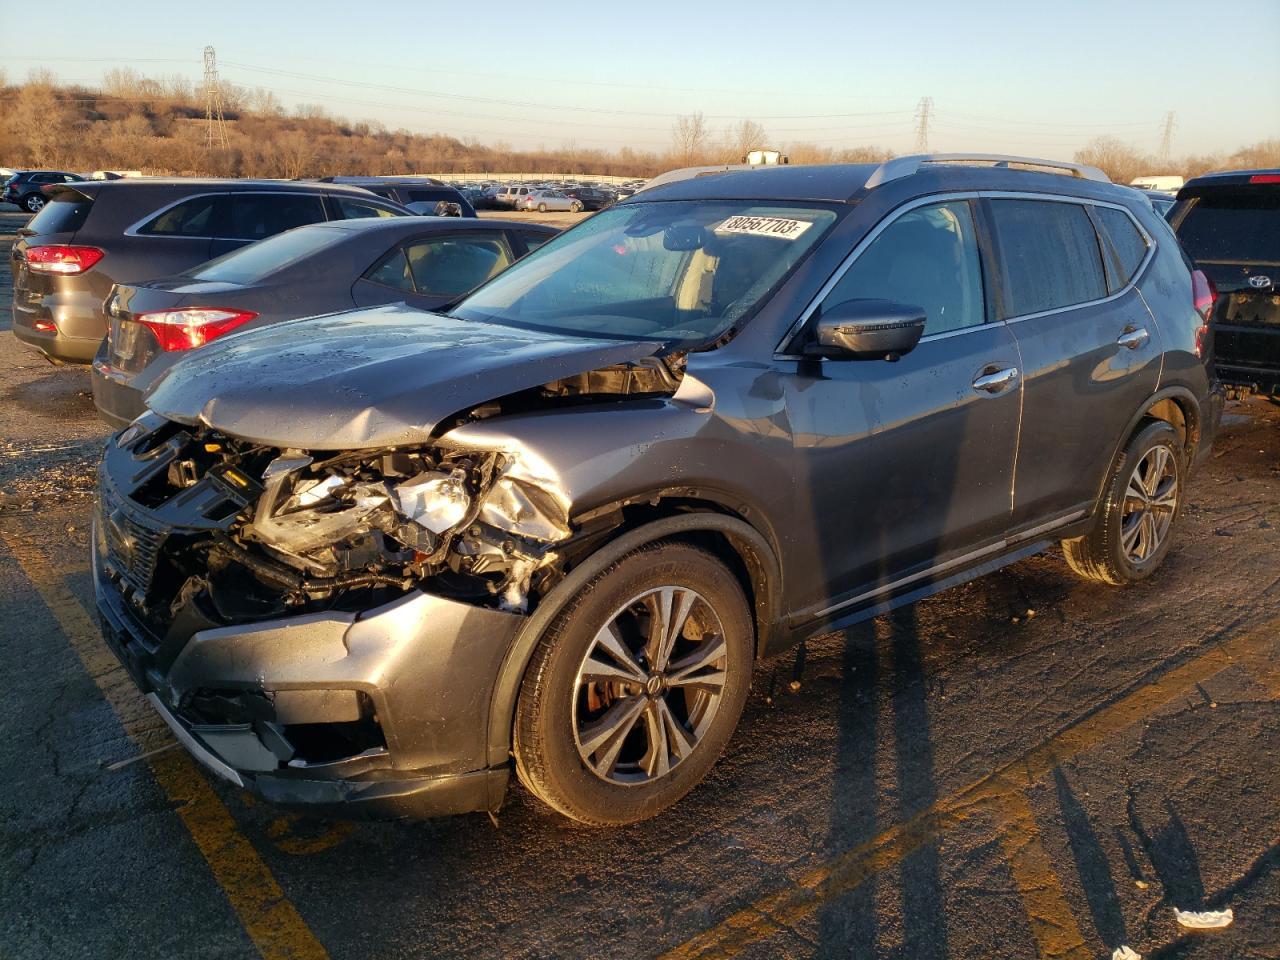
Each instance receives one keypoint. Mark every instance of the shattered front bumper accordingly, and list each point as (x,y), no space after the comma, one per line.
(416,673)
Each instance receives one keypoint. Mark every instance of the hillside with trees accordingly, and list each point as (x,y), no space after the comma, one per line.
(157,125)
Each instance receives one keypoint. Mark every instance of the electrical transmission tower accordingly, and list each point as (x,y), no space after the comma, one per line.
(215,127)
(1166,136)
(924,111)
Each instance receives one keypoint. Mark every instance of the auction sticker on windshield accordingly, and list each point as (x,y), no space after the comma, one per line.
(765,227)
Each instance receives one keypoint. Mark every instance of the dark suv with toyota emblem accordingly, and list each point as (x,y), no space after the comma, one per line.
(1229,223)
(380,560)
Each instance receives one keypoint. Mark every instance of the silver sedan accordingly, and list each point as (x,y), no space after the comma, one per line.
(544,200)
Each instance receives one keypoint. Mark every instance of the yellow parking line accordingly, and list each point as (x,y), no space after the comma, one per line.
(1052,922)
(271,921)
(821,883)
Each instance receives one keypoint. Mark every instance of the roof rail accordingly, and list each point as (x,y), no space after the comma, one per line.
(901,167)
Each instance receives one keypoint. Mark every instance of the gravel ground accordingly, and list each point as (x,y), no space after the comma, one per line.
(1024,766)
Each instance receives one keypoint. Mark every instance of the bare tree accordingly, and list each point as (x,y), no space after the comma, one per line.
(42,124)
(1115,158)
(743,137)
(689,136)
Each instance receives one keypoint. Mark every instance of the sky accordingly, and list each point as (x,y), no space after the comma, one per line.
(1012,77)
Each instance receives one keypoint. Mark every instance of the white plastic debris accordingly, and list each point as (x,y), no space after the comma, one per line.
(1123,952)
(1204,919)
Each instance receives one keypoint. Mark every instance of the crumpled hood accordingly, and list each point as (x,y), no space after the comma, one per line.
(367,378)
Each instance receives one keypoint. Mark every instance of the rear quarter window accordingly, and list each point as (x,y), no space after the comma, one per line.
(1124,241)
(1233,227)
(61,215)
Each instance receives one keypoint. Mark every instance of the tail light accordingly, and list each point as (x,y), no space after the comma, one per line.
(1265,178)
(191,327)
(62,259)
(1203,295)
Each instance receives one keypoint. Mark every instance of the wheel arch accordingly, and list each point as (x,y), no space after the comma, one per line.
(735,542)
(1175,405)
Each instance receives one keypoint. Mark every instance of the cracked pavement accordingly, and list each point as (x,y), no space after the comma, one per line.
(1028,765)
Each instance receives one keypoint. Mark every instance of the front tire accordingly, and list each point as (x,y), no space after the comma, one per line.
(34,203)
(575,208)
(636,687)
(1136,521)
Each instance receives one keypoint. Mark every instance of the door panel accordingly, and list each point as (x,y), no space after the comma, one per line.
(1088,362)
(900,465)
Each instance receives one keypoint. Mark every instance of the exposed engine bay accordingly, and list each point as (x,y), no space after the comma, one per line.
(253,531)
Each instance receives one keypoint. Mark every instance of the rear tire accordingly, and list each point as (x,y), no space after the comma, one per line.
(1137,518)
(34,203)
(542,208)
(618,718)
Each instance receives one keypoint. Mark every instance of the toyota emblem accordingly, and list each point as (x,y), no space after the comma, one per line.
(1259,282)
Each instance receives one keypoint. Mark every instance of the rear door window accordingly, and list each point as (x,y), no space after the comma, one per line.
(927,258)
(1049,255)
(258,215)
(392,271)
(352,208)
(1125,243)
(195,217)
(449,266)
(1242,227)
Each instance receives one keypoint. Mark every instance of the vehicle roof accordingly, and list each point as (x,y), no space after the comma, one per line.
(1228,178)
(371,225)
(846,183)
(214,184)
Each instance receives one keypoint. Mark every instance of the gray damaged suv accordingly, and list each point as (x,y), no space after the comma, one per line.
(376,560)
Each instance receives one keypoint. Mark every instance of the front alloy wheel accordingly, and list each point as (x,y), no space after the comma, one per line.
(649,686)
(636,686)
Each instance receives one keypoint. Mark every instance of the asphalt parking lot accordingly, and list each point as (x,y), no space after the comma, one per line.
(1025,766)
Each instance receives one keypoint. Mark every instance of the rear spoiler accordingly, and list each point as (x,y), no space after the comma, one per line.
(86,189)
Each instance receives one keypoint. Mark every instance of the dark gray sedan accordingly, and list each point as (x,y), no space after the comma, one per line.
(322,268)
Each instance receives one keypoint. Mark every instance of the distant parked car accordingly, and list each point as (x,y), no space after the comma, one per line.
(592,198)
(422,195)
(93,234)
(544,200)
(514,195)
(1229,224)
(1160,201)
(26,187)
(306,271)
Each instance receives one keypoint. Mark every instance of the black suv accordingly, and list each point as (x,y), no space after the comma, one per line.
(96,233)
(1229,223)
(424,196)
(367,560)
(26,189)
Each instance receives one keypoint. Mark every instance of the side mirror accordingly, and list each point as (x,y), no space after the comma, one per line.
(866,330)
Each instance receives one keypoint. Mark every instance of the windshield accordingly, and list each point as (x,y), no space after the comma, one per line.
(669,270)
(259,260)
(1239,227)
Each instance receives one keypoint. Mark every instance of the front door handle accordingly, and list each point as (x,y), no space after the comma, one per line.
(997,382)
(1133,337)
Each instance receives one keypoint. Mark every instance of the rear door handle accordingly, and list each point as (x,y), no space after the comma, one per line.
(1133,337)
(996,382)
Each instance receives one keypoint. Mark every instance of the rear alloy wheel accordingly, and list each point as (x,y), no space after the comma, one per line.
(636,687)
(542,208)
(1144,501)
(34,203)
